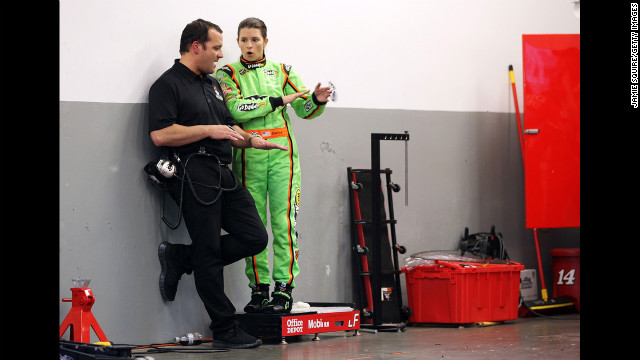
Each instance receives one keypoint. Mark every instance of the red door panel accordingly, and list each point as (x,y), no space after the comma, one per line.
(552,130)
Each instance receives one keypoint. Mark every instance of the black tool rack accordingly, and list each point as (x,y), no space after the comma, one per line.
(375,254)
(378,291)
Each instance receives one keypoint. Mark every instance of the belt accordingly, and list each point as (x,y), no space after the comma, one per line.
(202,149)
(188,149)
(270,133)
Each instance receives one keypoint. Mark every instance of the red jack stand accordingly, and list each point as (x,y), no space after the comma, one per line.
(80,317)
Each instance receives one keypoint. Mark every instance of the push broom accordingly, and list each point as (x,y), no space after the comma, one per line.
(545,303)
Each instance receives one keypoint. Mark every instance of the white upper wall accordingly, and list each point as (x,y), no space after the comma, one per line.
(417,55)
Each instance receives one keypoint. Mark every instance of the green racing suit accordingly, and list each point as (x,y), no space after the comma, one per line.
(253,93)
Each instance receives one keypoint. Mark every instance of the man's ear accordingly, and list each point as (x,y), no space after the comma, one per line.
(195,47)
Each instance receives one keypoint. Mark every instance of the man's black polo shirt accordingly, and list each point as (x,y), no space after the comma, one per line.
(180,96)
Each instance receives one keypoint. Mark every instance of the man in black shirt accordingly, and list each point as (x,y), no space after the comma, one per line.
(188,116)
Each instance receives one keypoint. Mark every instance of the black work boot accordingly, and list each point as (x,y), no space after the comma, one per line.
(169,273)
(259,298)
(281,299)
(234,338)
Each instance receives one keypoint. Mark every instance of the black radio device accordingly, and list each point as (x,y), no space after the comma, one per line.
(161,170)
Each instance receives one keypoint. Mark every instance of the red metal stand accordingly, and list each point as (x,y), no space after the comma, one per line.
(80,318)
(363,256)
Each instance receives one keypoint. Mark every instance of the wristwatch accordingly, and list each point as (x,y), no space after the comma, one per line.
(253,134)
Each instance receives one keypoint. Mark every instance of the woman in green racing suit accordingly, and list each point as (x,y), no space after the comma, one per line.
(257,92)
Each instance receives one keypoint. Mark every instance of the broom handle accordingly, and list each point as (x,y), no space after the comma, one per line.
(543,289)
(515,101)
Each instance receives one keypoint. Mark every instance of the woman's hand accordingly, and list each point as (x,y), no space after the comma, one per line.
(259,143)
(322,93)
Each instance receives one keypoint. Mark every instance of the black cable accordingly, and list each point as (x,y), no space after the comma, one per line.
(186,351)
(163,348)
(187,178)
(215,187)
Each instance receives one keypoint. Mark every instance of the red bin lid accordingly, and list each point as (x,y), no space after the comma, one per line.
(565,252)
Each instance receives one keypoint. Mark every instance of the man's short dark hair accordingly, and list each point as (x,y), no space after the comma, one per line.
(197,30)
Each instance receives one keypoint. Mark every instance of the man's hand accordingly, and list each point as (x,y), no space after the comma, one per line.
(224,132)
(322,93)
(262,144)
(289,98)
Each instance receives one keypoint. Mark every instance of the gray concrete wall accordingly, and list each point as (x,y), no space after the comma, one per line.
(465,170)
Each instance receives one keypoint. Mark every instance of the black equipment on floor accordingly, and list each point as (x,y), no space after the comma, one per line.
(484,244)
(85,351)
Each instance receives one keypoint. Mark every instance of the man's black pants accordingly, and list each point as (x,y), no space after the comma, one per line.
(235,212)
